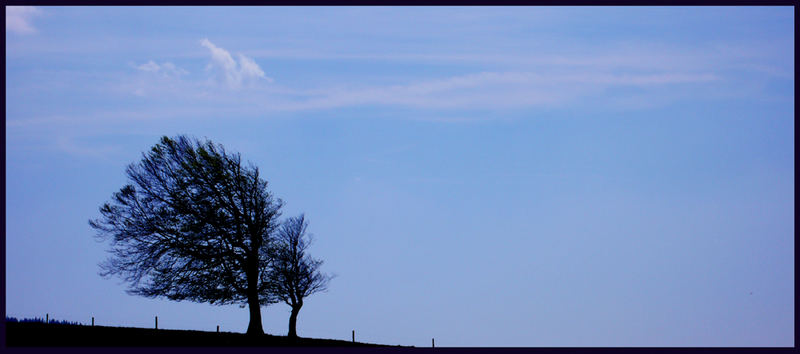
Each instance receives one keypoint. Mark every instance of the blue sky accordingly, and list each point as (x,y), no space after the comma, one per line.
(527,176)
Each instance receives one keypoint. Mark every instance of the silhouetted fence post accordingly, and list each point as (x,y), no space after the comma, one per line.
(47,318)
(217,328)
(433,343)
(92,321)
(156,322)
(354,336)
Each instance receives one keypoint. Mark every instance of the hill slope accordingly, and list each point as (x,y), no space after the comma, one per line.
(63,335)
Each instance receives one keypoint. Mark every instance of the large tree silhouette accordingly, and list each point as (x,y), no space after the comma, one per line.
(194,224)
(295,274)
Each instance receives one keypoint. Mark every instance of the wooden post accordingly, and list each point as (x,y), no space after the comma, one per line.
(47,318)
(156,322)
(92,321)
(433,344)
(354,336)
(217,328)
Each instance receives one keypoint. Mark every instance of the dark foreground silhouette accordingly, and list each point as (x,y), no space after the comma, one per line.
(32,334)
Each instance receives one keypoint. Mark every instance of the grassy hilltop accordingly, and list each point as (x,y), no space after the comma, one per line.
(40,334)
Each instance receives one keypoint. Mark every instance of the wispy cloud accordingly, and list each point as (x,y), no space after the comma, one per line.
(517,82)
(18,19)
(234,74)
(552,82)
(157,77)
(495,90)
(166,68)
(483,90)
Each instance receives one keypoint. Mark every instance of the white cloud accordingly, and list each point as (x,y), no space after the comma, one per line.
(18,18)
(149,66)
(249,68)
(234,74)
(171,68)
(157,78)
(166,69)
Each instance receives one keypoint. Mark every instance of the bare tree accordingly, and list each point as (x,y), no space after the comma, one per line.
(294,273)
(194,224)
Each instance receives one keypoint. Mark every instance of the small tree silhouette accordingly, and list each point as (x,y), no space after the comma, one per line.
(294,273)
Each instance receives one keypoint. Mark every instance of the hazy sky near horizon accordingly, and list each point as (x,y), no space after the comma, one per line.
(526,176)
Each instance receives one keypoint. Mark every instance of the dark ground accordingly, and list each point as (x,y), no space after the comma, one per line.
(63,335)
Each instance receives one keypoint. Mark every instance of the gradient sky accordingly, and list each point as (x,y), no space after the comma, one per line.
(527,176)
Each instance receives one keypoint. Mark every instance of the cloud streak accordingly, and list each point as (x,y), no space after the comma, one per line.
(484,90)
(166,69)
(496,90)
(546,81)
(18,19)
(552,82)
(235,74)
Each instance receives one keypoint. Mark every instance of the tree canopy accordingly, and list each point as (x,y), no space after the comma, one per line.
(194,224)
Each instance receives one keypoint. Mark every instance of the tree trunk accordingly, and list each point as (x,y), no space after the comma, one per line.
(254,328)
(255,316)
(293,321)
(251,272)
